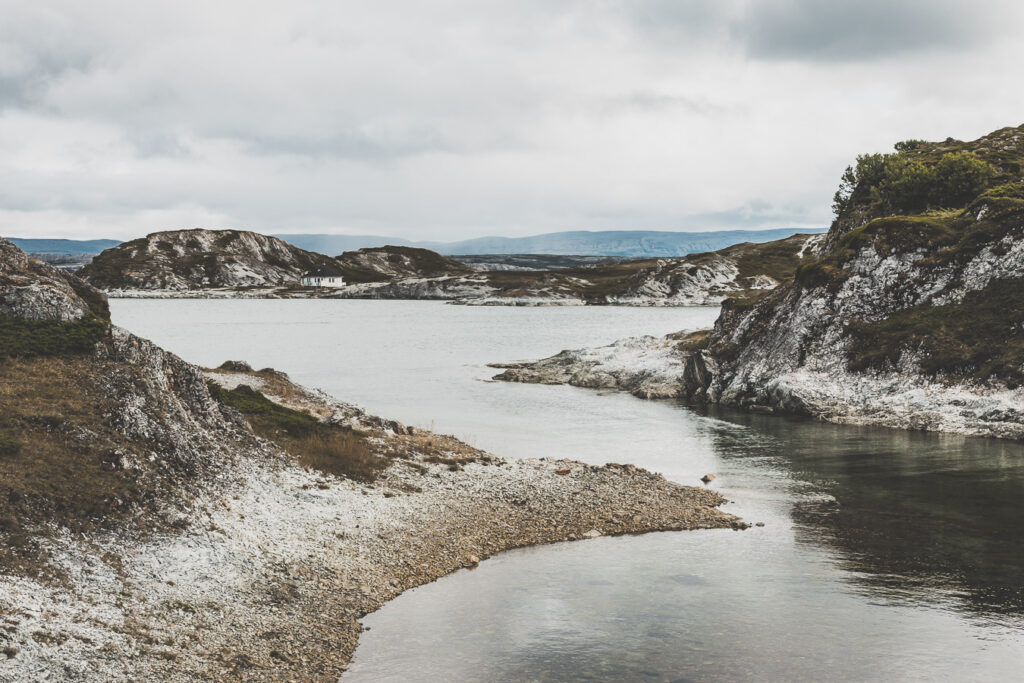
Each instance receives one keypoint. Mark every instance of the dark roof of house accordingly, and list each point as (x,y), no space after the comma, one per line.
(323,271)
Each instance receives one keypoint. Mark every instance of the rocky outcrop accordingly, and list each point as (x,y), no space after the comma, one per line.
(31,290)
(694,280)
(649,367)
(389,263)
(904,321)
(183,260)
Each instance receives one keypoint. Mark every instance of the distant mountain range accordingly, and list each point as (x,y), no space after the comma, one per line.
(60,246)
(616,243)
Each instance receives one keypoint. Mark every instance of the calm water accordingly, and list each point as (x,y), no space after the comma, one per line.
(885,555)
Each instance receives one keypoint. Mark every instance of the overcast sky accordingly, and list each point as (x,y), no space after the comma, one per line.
(451,119)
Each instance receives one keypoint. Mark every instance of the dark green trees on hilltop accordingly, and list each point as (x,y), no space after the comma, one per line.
(899,183)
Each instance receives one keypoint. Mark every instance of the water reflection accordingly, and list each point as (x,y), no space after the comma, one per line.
(910,516)
(886,555)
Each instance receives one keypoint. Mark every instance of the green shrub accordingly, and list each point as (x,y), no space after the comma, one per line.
(909,145)
(959,177)
(20,337)
(900,183)
(1006,190)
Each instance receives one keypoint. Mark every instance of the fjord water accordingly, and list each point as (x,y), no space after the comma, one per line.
(885,555)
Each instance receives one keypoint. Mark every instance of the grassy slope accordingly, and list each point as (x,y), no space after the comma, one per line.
(24,338)
(64,467)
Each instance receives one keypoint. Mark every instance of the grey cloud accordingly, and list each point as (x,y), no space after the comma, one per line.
(656,101)
(824,30)
(674,18)
(24,83)
(761,213)
(346,145)
(443,119)
(37,48)
(864,30)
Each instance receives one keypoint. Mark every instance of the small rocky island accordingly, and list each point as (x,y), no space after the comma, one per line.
(909,314)
(238,264)
(159,521)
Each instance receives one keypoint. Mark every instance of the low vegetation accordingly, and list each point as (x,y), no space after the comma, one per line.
(20,337)
(60,462)
(332,449)
(691,342)
(980,338)
(921,176)
(944,237)
(24,338)
(777,259)
(904,183)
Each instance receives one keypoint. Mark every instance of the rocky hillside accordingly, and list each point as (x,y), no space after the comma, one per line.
(698,279)
(230,263)
(162,522)
(384,264)
(911,314)
(200,259)
(531,262)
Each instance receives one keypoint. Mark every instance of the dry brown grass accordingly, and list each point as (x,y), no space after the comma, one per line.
(330,448)
(691,342)
(436,448)
(65,470)
(333,450)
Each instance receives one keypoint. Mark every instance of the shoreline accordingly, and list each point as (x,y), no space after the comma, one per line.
(372,295)
(663,368)
(270,577)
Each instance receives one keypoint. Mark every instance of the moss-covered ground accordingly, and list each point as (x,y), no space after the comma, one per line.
(980,338)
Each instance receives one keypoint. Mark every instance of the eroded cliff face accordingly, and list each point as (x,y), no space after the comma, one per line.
(32,290)
(183,260)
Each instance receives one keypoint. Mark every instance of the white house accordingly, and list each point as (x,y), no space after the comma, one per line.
(324,276)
